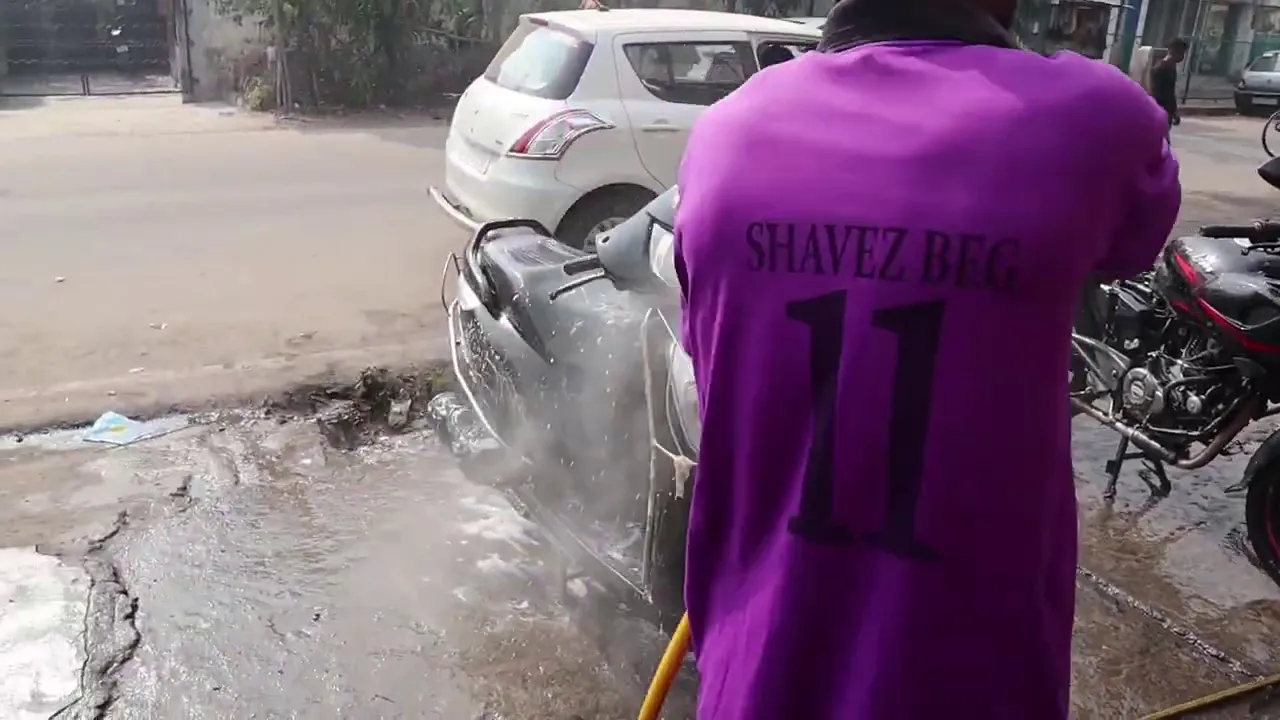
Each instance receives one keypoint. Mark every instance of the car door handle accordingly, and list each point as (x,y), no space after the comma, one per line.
(659,127)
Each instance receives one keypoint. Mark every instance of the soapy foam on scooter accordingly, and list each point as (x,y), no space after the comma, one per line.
(499,521)
(604,480)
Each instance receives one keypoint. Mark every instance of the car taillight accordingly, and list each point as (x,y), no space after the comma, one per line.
(548,139)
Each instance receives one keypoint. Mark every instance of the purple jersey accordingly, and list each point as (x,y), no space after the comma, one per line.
(881,252)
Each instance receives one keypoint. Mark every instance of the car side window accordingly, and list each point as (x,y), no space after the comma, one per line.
(773,52)
(690,73)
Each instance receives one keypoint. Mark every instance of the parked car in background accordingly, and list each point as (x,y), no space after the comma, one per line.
(1259,86)
(582,116)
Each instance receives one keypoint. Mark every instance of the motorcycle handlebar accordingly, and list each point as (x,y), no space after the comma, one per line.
(1261,230)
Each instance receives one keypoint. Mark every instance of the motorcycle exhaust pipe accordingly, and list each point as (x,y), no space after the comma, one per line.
(1241,417)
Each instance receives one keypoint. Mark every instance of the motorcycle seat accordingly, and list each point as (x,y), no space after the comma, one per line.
(525,262)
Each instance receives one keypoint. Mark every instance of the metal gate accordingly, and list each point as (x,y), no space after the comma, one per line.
(87,47)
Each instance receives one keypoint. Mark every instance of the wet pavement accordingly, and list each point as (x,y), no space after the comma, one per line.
(245,568)
(1170,608)
(269,575)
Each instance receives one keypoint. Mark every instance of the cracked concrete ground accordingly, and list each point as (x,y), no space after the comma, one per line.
(263,573)
(243,567)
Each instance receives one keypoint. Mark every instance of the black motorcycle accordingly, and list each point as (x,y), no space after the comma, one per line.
(570,360)
(1181,359)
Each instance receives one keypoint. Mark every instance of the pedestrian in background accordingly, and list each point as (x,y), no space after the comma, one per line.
(1164,80)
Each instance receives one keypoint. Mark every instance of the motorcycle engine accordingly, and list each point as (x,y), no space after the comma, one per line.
(1183,386)
(1142,393)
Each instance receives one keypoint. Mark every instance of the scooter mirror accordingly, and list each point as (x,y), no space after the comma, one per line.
(625,253)
(1270,172)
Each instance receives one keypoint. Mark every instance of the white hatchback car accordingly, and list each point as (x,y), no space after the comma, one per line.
(582,116)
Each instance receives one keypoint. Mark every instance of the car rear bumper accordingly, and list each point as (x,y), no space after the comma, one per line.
(508,188)
(454,209)
(1248,98)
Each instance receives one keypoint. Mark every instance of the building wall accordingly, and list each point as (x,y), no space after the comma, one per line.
(1163,20)
(1243,53)
(221,49)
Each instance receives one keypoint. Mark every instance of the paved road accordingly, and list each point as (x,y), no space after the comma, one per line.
(219,252)
(206,252)
(1218,156)
(254,569)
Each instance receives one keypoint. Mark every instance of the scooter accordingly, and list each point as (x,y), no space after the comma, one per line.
(571,362)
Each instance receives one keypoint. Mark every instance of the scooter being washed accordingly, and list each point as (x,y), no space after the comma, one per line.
(570,361)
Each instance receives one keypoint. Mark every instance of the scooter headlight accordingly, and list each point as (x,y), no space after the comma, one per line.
(684,395)
(662,254)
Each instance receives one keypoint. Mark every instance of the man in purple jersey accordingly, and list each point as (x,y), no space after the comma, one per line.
(881,247)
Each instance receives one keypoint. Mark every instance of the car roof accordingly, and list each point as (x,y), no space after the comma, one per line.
(813,22)
(657,19)
(1269,55)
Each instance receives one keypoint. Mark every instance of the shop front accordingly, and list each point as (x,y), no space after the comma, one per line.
(1088,27)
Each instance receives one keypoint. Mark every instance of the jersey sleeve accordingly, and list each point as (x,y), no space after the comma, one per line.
(691,181)
(1149,188)
(682,274)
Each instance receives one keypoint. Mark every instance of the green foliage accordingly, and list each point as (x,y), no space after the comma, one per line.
(368,53)
(258,94)
(361,53)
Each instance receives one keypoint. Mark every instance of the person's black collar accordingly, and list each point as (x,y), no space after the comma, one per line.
(853,23)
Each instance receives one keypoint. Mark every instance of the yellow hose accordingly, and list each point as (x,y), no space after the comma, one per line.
(1218,698)
(679,647)
(667,669)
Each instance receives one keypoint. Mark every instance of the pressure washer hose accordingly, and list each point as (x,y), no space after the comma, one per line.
(667,669)
(679,647)
(1215,699)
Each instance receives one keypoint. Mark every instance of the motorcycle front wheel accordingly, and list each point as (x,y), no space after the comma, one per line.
(1262,520)
(1269,129)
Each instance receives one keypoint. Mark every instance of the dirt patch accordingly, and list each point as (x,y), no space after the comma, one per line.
(371,393)
(379,401)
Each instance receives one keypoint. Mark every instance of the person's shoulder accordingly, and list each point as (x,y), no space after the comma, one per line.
(746,108)
(1096,94)
(1094,81)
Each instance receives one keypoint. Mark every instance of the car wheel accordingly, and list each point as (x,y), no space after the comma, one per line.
(600,212)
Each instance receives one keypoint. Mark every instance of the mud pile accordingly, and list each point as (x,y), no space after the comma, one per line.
(378,402)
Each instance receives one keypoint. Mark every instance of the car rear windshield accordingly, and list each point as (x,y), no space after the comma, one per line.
(539,60)
(1266,63)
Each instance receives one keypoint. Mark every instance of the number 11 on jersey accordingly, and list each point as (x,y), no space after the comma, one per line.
(917,327)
